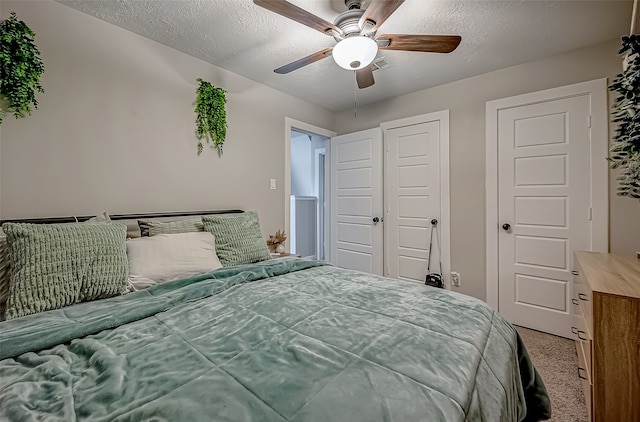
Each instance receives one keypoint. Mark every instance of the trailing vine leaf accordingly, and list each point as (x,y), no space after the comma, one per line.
(625,149)
(211,120)
(20,68)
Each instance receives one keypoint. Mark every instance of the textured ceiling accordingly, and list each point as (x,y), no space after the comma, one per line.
(248,40)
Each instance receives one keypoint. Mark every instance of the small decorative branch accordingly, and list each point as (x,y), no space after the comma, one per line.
(625,149)
(20,68)
(211,120)
(276,240)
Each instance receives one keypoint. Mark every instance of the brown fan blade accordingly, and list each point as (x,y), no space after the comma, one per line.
(424,43)
(364,77)
(378,12)
(303,61)
(291,11)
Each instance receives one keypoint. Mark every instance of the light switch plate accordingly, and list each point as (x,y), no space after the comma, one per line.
(273,184)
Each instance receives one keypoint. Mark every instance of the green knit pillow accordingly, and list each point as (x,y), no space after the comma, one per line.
(5,274)
(57,265)
(238,238)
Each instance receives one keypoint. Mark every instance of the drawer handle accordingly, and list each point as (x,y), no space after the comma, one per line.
(574,272)
(580,374)
(582,296)
(579,333)
(575,302)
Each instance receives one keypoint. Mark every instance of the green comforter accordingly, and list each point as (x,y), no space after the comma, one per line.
(281,340)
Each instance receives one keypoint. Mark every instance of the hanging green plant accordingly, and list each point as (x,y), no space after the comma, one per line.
(211,122)
(20,68)
(625,149)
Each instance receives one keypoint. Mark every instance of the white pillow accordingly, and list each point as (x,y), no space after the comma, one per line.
(166,257)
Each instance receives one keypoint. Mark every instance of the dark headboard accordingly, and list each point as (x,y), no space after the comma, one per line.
(73,219)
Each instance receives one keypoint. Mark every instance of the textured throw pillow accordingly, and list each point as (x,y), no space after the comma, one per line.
(153,227)
(5,261)
(5,274)
(165,257)
(57,265)
(238,238)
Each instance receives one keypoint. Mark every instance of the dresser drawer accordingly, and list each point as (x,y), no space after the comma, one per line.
(583,346)
(584,362)
(584,297)
(585,368)
(576,309)
(579,328)
(584,350)
(586,390)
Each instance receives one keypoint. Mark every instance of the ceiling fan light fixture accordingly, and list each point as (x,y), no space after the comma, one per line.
(354,53)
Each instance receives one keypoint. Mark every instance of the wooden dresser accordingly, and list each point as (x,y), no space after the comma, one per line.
(606,303)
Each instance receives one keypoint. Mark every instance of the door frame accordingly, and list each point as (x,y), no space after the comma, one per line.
(290,124)
(597,91)
(320,240)
(445,195)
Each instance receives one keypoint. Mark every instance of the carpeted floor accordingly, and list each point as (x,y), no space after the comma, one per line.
(556,360)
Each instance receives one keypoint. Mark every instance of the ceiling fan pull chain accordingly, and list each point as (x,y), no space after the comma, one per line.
(355,95)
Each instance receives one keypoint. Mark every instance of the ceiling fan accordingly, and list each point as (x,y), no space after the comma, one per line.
(355,31)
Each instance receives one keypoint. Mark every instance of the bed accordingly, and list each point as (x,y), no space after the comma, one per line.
(273,340)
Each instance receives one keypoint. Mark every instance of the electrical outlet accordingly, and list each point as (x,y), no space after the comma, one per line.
(455,278)
(272,184)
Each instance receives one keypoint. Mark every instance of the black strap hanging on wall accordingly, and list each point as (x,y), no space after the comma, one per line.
(434,279)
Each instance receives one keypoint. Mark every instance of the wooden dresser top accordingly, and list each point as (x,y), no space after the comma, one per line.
(610,274)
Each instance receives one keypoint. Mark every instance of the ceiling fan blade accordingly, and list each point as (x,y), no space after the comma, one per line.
(424,43)
(378,12)
(364,77)
(291,11)
(303,61)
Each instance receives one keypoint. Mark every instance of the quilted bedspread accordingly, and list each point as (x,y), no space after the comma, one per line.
(281,340)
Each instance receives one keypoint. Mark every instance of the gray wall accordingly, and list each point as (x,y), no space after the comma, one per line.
(466,99)
(114,130)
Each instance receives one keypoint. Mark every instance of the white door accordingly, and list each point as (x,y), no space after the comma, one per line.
(356,201)
(544,208)
(412,199)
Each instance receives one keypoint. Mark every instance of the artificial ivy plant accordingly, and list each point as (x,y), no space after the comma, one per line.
(20,68)
(625,149)
(211,122)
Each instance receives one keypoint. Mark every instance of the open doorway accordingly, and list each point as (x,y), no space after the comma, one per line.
(307,196)
(321,192)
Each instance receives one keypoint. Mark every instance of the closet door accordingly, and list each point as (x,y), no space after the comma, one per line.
(544,209)
(546,197)
(412,184)
(356,201)
(384,196)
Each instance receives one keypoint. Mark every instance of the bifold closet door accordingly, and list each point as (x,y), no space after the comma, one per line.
(412,199)
(356,201)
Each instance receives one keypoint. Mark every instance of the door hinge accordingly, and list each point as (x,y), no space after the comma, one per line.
(589,121)
(590,213)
